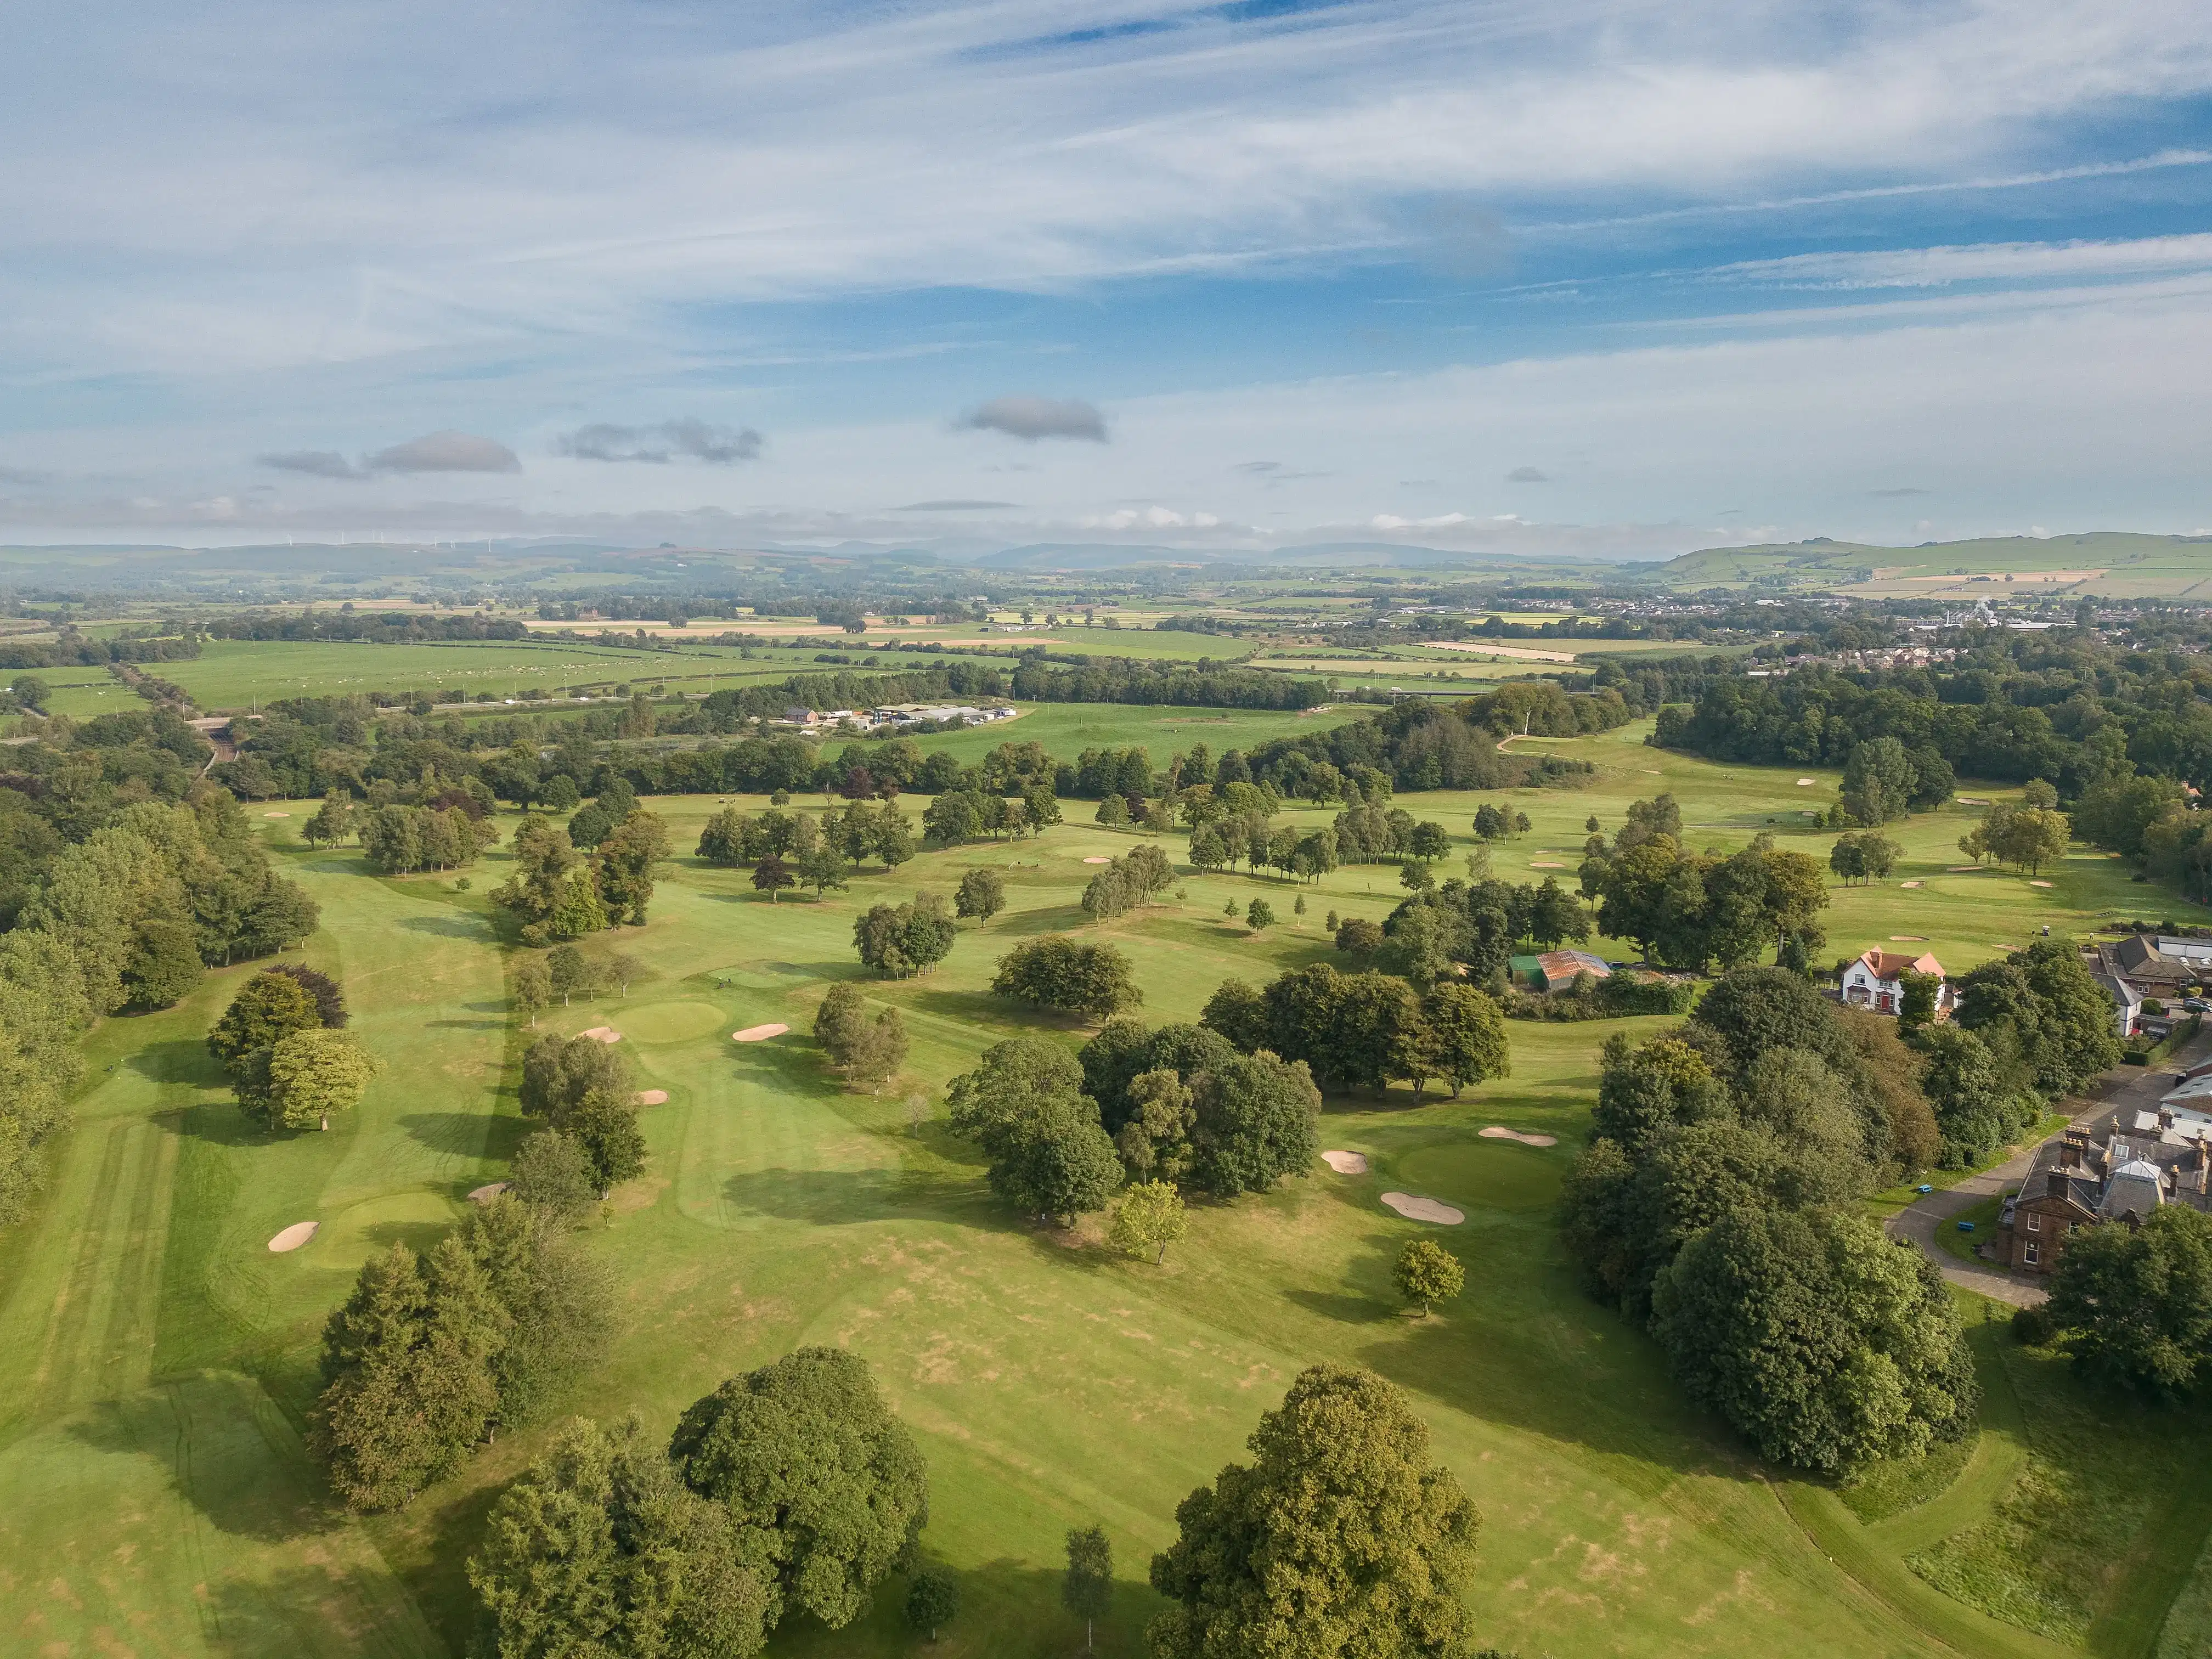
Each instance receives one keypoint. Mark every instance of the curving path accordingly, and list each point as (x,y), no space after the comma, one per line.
(2130,1086)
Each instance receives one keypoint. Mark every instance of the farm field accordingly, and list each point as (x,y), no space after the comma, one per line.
(235,674)
(156,1360)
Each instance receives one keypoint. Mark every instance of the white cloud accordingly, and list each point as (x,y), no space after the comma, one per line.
(285,192)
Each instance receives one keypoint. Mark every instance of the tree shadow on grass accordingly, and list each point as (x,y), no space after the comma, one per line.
(180,1060)
(467,1135)
(1057,919)
(1009,1609)
(462,1024)
(468,928)
(851,1197)
(224,1447)
(1558,1365)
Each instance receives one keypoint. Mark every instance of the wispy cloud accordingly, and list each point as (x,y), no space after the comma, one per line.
(2012,262)
(1527,474)
(954,505)
(1032,418)
(684,438)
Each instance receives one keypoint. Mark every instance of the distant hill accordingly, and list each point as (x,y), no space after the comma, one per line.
(2116,564)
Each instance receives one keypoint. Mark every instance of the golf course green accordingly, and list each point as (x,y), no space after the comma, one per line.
(157,1360)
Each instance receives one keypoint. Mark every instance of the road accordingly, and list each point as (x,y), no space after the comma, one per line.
(2130,1086)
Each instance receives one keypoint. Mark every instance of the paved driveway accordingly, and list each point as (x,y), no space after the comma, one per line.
(2129,1086)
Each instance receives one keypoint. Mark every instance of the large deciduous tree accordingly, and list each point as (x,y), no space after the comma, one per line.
(1827,1344)
(2136,1302)
(598,1548)
(805,1453)
(1339,1540)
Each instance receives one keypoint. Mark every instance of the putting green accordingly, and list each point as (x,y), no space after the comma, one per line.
(1482,1174)
(670,1022)
(354,1235)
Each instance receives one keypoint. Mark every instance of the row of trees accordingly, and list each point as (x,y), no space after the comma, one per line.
(584,1090)
(793,1490)
(399,840)
(869,1051)
(2031,1027)
(1172,1110)
(1687,910)
(431,1353)
(557,893)
(860,832)
(1713,1204)
(2027,836)
(1071,976)
(1365,1029)
(1136,879)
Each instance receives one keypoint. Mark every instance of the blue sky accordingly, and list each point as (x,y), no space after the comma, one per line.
(1606,278)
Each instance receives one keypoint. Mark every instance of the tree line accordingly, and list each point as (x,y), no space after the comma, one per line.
(794,1489)
(1715,1201)
(123,878)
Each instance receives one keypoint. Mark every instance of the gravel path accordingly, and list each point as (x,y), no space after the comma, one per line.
(2130,1086)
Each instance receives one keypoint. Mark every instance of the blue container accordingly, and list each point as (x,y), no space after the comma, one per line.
(1965,1226)
(1923,1190)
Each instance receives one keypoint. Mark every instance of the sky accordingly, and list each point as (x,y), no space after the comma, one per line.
(1617,279)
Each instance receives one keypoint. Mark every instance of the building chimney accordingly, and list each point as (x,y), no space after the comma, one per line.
(2054,1183)
(2069,1154)
(2165,1118)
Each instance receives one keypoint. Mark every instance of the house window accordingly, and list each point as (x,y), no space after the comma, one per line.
(2034,1221)
(2034,1254)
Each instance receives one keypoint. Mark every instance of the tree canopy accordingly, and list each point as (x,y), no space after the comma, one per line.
(804,1454)
(1339,1538)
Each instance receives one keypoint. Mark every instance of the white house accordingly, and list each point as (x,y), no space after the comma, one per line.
(1876,981)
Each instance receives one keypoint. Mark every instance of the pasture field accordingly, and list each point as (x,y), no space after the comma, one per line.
(236,674)
(83,693)
(156,1361)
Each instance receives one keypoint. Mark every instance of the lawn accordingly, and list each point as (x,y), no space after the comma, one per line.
(156,1361)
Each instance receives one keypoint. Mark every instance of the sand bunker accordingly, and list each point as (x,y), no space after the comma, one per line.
(2038,884)
(1807,783)
(602,1034)
(1423,1209)
(485,1194)
(653,1097)
(1346,1163)
(1495,1132)
(1971,800)
(1908,939)
(758,1033)
(1908,884)
(1097,860)
(295,1236)
(1962,869)
(1652,772)
(275,815)
(1545,864)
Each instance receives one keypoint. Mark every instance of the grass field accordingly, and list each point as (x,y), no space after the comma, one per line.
(156,1360)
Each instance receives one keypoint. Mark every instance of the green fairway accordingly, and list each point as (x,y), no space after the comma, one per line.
(1066,729)
(156,1360)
